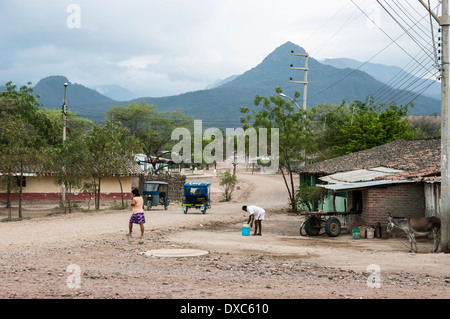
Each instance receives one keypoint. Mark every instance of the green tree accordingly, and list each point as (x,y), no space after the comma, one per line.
(24,104)
(295,137)
(366,125)
(24,132)
(327,122)
(152,127)
(110,151)
(311,196)
(228,182)
(19,155)
(75,125)
(70,163)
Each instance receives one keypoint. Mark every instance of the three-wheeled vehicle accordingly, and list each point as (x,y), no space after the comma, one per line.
(196,195)
(156,193)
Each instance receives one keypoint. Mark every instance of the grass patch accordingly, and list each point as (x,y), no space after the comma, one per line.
(119,207)
(5,220)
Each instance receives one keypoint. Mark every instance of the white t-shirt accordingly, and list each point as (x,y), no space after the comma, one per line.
(257,211)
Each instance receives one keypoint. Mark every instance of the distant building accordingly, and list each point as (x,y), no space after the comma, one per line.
(39,185)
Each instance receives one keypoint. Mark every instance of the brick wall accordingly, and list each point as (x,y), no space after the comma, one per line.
(176,183)
(402,200)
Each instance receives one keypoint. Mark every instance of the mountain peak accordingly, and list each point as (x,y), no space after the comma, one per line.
(288,47)
(281,56)
(54,80)
(326,84)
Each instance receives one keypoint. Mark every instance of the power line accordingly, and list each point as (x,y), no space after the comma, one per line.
(412,78)
(393,41)
(346,22)
(403,49)
(405,83)
(401,79)
(413,87)
(415,37)
(323,24)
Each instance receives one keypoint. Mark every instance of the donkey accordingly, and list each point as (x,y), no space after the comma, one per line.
(421,226)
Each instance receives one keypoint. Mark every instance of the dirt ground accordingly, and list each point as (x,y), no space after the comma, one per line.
(89,256)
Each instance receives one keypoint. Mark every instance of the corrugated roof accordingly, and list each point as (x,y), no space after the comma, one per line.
(359,175)
(354,186)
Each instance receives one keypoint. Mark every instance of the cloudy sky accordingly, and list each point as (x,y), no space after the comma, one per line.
(165,47)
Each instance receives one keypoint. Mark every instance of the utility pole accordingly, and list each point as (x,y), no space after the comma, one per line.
(445,132)
(305,85)
(305,81)
(444,22)
(64,113)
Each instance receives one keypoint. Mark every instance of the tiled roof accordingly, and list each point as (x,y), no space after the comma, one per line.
(132,169)
(417,158)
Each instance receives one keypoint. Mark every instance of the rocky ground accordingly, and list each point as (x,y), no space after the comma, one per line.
(88,256)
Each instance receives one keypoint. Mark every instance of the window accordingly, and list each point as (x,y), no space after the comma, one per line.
(24,181)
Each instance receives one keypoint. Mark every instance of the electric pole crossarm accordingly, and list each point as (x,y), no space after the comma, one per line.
(298,82)
(438,20)
(297,68)
(299,54)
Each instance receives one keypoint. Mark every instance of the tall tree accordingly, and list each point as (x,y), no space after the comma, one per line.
(295,139)
(24,104)
(67,161)
(75,124)
(110,152)
(327,122)
(24,132)
(70,163)
(152,127)
(20,153)
(368,125)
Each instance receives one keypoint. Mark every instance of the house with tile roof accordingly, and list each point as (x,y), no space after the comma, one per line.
(401,177)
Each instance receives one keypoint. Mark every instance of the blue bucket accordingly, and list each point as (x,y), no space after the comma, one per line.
(245,230)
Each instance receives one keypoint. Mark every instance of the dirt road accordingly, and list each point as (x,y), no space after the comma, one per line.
(44,257)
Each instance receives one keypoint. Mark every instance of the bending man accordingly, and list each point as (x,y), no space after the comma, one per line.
(255,214)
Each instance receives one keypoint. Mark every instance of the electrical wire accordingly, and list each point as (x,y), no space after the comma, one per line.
(403,49)
(393,41)
(352,17)
(406,84)
(401,79)
(322,25)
